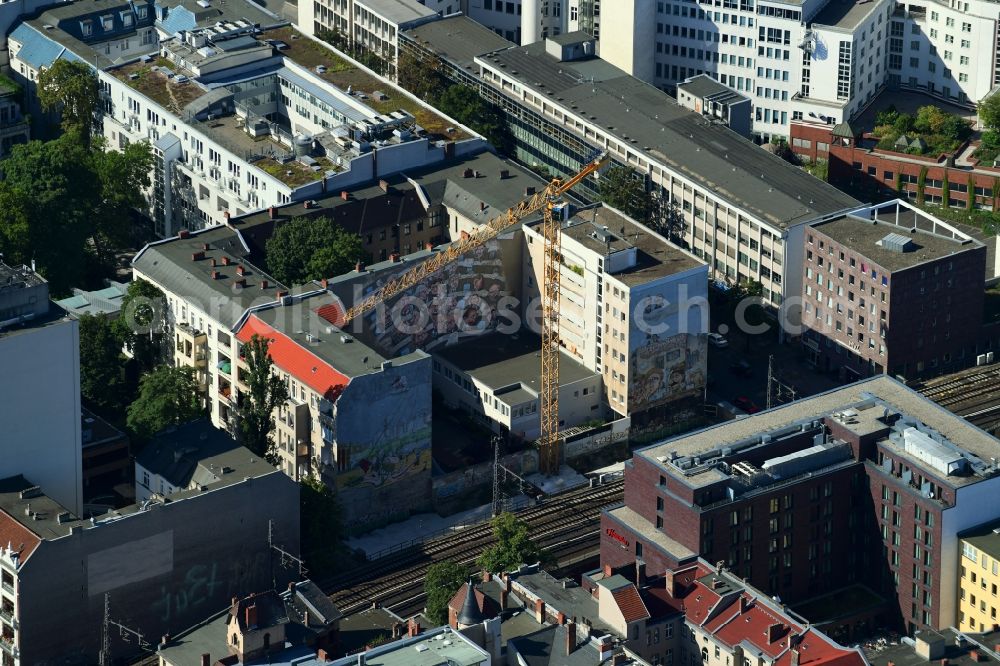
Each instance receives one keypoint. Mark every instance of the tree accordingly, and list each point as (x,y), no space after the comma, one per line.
(970,199)
(625,190)
(921,184)
(70,87)
(322,525)
(167,396)
(123,176)
(665,217)
(102,367)
(265,392)
(442,581)
(945,190)
(465,105)
(141,325)
(513,546)
(311,248)
(421,76)
(989,112)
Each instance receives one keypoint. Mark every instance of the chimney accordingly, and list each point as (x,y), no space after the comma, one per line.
(529,191)
(183,233)
(226,261)
(744,604)
(206,247)
(263,284)
(240,282)
(485,576)
(412,628)
(504,595)
(504,174)
(240,270)
(197,256)
(383,185)
(251,616)
(467,173)
(397,630)
(475,173)
(607,571)
(618,659)
(604,648)
(560,618)
(774,632)
(394,257)
(206,659)
(281,294)
(359,267)
(571,638)
(539,611)
(640,572)
(345,195)
(214,262)
(272,212)
(307,204)
(165,639)
(428,245)
(291,586)
(215,275)
(236,600)
(482,205)
(322,655)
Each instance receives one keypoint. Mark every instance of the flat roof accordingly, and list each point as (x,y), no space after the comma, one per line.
(704,86)
(892,392)
(642,527)
(655,256)
(903,654)
(501,361)
(706,152)
(863,236)
(400,11)
(572,600)
(457,39)
(985,537)
(846,14)
(433,648)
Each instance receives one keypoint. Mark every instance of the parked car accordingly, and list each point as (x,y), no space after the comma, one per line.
(746,404)
(741,368)
(718,340)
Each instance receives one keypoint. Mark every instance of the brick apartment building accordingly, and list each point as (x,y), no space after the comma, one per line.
(855,493)
(855,162)
(891,290)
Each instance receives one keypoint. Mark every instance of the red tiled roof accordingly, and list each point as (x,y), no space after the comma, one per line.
(630,603)
(816,649)
(332,312)
(698,602)
(753,625)
(295,359)
(17,536)
(487,606)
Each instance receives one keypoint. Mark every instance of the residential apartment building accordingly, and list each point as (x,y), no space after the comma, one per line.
(40,356)
(892,291)
(743,210)
(150,565)
(633,308)
(237,125)
(978,578)
(759,494)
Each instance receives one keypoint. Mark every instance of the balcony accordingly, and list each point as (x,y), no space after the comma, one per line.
(7,587)
(7,645)
(7,615)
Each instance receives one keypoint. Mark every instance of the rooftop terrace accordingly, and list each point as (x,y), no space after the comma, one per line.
(346,75)
(157,80)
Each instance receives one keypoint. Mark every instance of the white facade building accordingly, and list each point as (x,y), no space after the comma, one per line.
(40,425)
(798,59)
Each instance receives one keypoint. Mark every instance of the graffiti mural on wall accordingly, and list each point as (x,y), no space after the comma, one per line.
(458,301)
(664,369)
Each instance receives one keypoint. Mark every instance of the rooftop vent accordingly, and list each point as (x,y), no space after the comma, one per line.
(896,243)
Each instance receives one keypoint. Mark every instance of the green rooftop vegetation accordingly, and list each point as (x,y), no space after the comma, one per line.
(294,173)
(931,131)
(346,75)
(158,87)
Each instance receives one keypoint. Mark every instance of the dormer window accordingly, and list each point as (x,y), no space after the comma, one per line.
(108,23)
(127,19)
(140,11)
(87,28)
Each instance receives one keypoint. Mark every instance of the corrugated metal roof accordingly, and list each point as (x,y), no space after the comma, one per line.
(38,50)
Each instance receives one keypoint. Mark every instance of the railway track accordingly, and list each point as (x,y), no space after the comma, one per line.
(560,525)
(972,394)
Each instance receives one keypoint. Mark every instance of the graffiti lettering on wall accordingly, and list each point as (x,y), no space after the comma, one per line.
(209,585)
(200,584)
(664,369)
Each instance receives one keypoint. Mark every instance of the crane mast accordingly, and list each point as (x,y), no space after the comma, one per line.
(548,202)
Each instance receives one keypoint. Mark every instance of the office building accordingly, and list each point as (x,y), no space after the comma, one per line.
(895,291)
(159,567)
(759,494)
(40,392)
(703,94)
(742,209)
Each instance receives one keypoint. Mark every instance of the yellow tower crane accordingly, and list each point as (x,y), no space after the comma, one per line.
(548,200)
